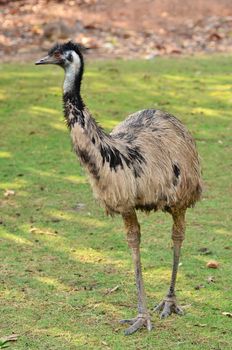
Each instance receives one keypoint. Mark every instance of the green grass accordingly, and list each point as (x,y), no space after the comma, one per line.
(58,260)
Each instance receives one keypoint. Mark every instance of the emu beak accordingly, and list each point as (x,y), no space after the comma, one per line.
(46,60)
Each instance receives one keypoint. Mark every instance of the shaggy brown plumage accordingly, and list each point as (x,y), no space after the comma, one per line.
(148,162)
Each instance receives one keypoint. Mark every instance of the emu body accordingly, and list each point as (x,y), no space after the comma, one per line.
(148,162)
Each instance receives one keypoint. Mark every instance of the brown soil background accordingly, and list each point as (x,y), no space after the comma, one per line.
(122,28)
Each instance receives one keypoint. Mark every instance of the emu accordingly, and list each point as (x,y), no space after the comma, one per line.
(148,162)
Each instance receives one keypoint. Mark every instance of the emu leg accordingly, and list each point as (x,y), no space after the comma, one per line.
(133,239)
(169,304)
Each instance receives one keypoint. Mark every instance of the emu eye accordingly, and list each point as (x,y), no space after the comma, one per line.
(69,57)
(57,54)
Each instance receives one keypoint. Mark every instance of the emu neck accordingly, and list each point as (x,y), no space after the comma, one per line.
(72,87)
(76,114)
(70,79)
(87,136)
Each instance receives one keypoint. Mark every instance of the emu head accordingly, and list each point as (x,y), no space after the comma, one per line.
(69,57)
(64,55)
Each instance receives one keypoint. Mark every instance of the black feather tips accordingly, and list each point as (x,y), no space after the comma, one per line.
(69,46)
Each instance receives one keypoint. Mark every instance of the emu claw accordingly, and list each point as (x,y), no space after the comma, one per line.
(168,306)
(137,323)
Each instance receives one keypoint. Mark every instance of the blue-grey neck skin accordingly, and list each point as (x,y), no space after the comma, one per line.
(73,71)
(73,103)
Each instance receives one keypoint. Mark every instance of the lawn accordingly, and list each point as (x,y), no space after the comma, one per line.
(60,255)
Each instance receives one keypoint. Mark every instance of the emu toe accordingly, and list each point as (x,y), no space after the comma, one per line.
(168,306)
(137,323)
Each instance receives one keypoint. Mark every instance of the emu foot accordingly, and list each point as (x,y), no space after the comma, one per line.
(136,323)
(168,306)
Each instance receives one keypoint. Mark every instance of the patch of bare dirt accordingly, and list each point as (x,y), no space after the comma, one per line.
(122,28)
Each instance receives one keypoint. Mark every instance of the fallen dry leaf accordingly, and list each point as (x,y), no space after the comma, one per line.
(12,337)
(228,314)
(211,279)
(9,193)
(79,206)
(36,230)
(186,306)
(33,230)
(109,291)
(204,251)
(199,286)
(213,264)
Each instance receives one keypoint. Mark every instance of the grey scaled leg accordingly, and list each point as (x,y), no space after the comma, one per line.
(133,239)
(169,304)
